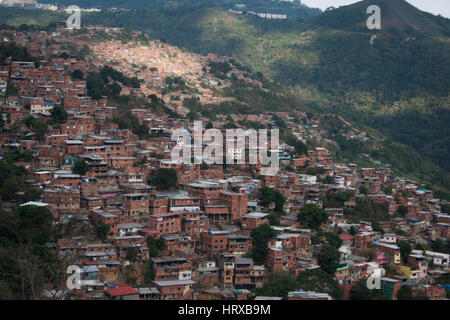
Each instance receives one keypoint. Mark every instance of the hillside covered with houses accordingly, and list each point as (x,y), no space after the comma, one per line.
(87,179)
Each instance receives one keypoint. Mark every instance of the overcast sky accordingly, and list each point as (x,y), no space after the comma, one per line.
(441,7)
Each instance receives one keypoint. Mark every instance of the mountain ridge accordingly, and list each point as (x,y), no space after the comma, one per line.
(396,15)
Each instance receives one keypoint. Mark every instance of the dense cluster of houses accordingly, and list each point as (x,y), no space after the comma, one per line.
(154,62)
(204,222)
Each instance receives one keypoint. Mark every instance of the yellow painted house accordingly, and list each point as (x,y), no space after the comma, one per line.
(409,273)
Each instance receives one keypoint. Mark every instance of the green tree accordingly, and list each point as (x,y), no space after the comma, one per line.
(59,113)
(336,200)
(95,86)
(13,178)
(10,187)
(11,90)
(80,167)
(278,284)
(404,293)
(274,218)
(388,190)
(261,235)
(420,246)
(163,178)
(132,254)
(440,246)
(114,89)
(328,259)
(360,291)
(77,74)
(312,216)
(300,147)
(26,262)
(155,246)
(40,128)
(363,190)
(405,250)
(102,230)
(445,208)
(126,120)
(192,115)
(84,51)
(268,195)
(402,210)
(148,272)
(229,125)
(320,281)
(328,180)
(333,239)
(17,53)
(64,55)
(368,210)
(377,227)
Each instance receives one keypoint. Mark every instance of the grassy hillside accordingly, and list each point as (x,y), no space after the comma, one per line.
(18,16)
